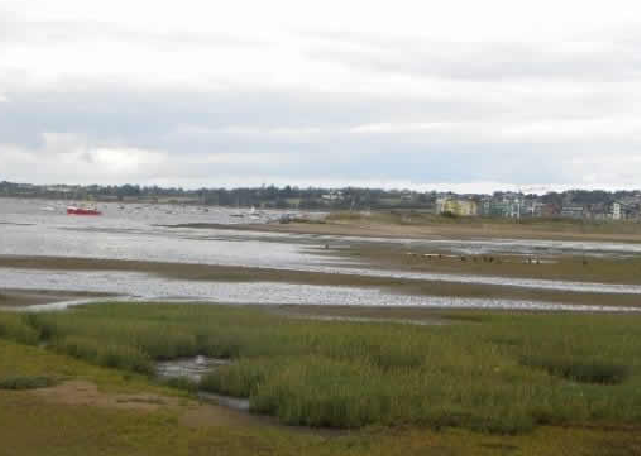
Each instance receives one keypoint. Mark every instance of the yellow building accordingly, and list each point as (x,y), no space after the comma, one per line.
(454,206)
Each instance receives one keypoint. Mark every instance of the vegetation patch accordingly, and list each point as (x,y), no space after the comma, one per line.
(601,372)
(489,372)
(23,383)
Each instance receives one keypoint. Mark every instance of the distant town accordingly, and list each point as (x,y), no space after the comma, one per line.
(597,205)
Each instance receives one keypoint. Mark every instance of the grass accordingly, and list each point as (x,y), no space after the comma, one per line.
(497,373)
(600,372)
(29,426)
(22,383)
(539,223)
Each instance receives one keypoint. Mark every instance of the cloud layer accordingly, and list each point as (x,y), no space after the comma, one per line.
(407,94)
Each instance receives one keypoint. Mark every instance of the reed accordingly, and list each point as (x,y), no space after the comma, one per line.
(490,372)
(22,383)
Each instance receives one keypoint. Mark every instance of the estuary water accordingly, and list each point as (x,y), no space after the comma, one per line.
(143,232)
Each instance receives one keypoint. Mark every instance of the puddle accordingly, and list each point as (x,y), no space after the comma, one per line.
(192,368)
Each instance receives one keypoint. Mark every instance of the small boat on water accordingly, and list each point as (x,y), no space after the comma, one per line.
(47,208)
(253,215)
(83,210)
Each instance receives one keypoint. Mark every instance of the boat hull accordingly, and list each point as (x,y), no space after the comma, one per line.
(79,211)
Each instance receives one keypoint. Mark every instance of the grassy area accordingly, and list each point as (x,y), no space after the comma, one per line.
(495,373)
(520,354)
(22,383)
(540,223)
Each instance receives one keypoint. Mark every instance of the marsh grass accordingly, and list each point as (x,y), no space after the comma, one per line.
(490,372)
(15,327)
(551,224)
(182,383)
(602,372)
(22,383)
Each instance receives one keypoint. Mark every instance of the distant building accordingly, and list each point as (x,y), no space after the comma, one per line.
(550,210)
(456,206)
(618,210)
(573,211)
(61,188)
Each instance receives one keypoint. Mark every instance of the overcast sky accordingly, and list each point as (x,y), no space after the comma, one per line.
(456,94)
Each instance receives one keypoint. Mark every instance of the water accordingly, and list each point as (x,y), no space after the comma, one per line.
(124,236)
(192,368)
(144,287)
(140,234)
(242,405)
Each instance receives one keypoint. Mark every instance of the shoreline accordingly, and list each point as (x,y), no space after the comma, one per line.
(431,231)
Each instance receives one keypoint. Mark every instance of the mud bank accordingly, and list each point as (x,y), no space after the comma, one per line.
(10,297)
(433,231)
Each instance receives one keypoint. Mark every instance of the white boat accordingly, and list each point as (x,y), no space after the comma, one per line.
(47,208)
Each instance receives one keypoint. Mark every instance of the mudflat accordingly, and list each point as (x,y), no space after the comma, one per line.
(434,231)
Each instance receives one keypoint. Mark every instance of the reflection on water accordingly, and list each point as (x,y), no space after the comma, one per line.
(192,368)
(234,403)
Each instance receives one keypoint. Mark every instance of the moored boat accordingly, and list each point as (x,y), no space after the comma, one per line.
(75,210)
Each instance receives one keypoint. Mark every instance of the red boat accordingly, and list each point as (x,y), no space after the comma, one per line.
(74,210)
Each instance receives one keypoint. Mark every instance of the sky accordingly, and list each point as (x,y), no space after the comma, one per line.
(459,95)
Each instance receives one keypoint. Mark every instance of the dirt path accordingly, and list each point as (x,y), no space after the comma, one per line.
(190,412)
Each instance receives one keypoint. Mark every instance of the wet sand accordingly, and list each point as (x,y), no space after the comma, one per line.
(569,267)
(427,231)
(401,286)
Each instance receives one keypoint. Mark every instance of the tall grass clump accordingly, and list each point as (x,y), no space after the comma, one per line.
(119,356)
(13,326)
(596,371)
(23,383)
(491,372)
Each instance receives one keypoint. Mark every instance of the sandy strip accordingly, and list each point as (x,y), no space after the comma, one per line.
(432,231)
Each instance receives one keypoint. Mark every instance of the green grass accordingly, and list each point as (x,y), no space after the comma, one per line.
(15,327)
(602,372)
(21,383)
(496,373)
(561,225)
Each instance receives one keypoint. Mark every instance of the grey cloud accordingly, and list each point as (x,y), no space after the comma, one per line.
(16,30)
(617,59)
(157,118)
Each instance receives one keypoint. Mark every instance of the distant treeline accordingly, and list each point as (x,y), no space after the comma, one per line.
(285,197)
